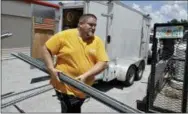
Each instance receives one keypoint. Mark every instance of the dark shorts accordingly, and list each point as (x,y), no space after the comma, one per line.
(69,103)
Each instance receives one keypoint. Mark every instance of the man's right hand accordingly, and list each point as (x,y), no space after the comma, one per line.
(54,73)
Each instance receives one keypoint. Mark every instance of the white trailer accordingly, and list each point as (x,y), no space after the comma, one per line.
(125,32)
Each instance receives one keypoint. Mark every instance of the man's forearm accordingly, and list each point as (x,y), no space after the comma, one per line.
(99,67)
(47,58)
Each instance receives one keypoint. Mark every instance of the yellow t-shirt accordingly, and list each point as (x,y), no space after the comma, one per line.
(75,57)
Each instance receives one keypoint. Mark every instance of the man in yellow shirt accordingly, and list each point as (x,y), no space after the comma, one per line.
(80,55)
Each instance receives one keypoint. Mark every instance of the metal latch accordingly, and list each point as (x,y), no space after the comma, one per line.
(108,39)
(107,15)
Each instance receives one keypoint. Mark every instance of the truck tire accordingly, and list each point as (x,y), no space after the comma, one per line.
(140,71)
(130,76)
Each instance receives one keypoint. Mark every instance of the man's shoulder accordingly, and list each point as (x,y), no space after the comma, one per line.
(97,38)
(67,31)
(64,33)
(70,30)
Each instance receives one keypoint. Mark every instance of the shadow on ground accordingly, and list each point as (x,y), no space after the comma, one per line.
(39,79)
(106,86)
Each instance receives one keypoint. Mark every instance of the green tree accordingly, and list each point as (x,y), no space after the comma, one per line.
(184,21)
(174,21)
(177,21)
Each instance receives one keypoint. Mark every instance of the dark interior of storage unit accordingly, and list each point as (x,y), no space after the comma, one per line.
(71,17)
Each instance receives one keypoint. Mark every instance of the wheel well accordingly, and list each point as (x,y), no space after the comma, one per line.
(142,61)
(133,65)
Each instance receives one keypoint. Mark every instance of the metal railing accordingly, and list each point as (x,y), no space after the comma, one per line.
(167,85)
(13,102)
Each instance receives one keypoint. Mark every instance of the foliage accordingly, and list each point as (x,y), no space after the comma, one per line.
(178,21)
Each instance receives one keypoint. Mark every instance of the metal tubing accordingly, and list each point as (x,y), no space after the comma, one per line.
(185,83)
(151,80)
(24,98)
(20,110)
(96,94)
(10,95)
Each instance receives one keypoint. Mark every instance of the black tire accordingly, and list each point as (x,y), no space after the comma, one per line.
(131,73)
(140,71)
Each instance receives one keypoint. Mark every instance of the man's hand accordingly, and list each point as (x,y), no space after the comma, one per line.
(82,78)
(90,74)
(54,73)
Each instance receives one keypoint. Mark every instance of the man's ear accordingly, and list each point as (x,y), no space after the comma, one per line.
(80,24)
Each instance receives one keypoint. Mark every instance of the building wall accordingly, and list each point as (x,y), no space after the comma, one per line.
(15,7)
(16,18)
(20,27)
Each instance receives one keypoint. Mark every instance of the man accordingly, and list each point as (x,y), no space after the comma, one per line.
(80,55)
(168,48)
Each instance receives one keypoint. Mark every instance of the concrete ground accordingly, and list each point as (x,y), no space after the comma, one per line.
(18,76)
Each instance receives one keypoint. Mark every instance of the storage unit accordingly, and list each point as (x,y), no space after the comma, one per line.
(16,19)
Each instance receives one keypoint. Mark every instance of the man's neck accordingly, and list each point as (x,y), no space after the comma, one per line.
(82,35)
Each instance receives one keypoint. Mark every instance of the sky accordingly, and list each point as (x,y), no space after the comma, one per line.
(161,11)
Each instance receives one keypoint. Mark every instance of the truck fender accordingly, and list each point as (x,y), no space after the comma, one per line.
(121,71)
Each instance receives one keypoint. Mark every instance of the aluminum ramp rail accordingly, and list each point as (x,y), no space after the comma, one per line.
(12,98)
(27,96)
(96,94)
(11,94)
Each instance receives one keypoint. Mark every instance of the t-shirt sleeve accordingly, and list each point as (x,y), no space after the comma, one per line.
(53,44)
(101,52)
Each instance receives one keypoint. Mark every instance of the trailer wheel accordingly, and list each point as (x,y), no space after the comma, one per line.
(140,71)
(130,76)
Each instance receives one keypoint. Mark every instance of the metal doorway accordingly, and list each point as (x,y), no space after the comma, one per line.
(168,81)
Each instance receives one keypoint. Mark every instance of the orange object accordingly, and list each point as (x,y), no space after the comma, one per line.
(43,3)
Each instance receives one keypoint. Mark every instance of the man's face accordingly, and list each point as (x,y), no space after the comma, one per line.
(88,27)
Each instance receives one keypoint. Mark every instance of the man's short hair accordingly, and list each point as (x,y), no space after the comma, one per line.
(84,17)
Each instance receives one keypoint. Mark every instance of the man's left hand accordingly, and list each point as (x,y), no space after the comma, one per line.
(82,78)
